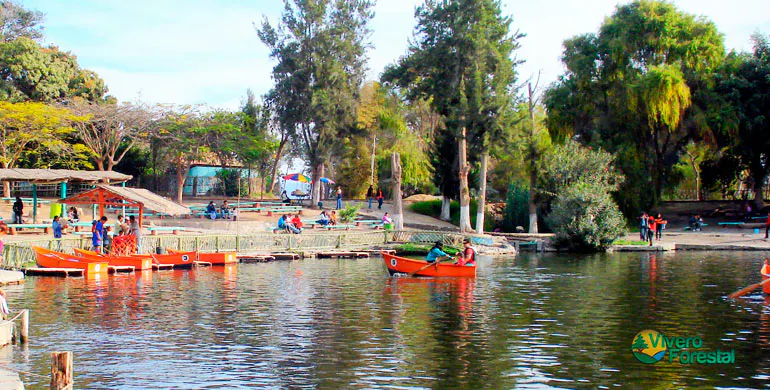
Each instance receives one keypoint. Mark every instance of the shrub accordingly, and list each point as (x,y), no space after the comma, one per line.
(585,217)
(348,214)
(516,208)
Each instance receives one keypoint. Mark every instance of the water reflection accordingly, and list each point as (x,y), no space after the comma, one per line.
(554,320)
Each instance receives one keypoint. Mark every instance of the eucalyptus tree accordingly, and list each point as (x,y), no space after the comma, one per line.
(319,48)
(460,59)
(640,88)
(17,22)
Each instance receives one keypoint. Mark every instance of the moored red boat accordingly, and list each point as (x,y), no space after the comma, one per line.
(219,258)
(179,259)
(139,263)
(405,265)
(47,258)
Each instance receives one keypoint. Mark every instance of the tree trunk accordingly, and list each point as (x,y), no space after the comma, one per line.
(532,204)
(274,175)
(181,177)
(533,156)
(318,172)
(482,194)
(445,209)
(6,184)
(398,212)
(465,196)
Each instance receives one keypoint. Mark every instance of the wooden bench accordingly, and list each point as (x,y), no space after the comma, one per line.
(13,226)
(257,209)
(338,226)
(359,222)
(174,229)
(27,200)
(726,224)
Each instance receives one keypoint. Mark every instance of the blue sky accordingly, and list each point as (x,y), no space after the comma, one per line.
(207,52)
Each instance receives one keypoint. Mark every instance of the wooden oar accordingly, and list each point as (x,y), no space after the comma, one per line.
(438,260)
(747,290)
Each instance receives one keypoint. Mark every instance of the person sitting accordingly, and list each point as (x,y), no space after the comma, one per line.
(468,255)
(698,223)
(386,219)
(285,197)
(290,226)
(333,218)
(211,210)
(282,223)
(297,222)
(72,215)
(436,252)
(234,213)
(225,210)
(323,219)
(692,223)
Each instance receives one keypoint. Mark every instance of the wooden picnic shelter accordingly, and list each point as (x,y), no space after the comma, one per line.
(56,176)
(107,195)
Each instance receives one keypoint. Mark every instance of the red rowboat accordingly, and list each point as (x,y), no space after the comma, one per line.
(143,262)
(51,259)
(404,265)
(179,259)
(219,258)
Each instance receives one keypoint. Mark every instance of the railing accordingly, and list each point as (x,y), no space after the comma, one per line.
(17,255)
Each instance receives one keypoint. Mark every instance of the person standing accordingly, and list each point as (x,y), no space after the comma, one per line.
(339,198)
(650,229)
(56,225)
(643,226)
(380,198)
(370,195)
(659,224)
(767,225)
(97,230)
(136,231)
(18,210)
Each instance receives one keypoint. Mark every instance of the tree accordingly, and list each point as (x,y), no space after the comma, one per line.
(639,88)
(460,60)
(17,22)
(29,71)
(639,344)
(111,130)
(320,52)
(221,131)
(179,136)
(747,88)
(30,125)
(258,148)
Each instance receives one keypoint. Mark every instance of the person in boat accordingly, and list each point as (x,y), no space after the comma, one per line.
(436,252)
(333,218)
(211,210)
(323,219)
(57,227)
(136,231)
(225,210)
(468,255)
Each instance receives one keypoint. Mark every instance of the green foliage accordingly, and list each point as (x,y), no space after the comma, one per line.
(410,249)
(629,242)
(349,213)
(433,209)
(229,181)
(584,217)
(570,163)
(516,208)
(17,22)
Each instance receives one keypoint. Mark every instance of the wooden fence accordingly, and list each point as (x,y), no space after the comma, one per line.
(18,255)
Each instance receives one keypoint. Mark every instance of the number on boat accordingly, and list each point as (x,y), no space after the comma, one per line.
(185,258)
(393,262)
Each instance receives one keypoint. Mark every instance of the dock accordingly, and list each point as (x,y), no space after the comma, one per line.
(342,255)
(285,256)
(201,264)
(120,268)
(66,272)
(8,277)
(162,266)
(256,258)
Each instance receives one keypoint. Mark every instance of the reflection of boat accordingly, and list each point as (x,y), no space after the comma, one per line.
(219,258)
(140,263)
(51,259)
(404,265)
(765,271)
(179,259)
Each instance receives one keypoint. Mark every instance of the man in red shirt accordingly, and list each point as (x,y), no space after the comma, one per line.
(468,256)
(652,226)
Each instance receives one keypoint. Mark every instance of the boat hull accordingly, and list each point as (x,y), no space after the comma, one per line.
(405,265)
(140,263)
(218,258)
(51,259)
(178,260)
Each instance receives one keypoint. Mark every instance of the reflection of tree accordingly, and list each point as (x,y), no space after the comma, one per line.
(639,344)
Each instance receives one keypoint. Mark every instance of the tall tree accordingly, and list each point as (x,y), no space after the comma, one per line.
(17,22)
(258,147)
(30,124)
(460,59)
(320,49)
(179,137)
(111,130)
(638,88)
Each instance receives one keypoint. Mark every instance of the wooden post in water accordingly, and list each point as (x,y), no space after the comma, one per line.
(24,332)
(61,370)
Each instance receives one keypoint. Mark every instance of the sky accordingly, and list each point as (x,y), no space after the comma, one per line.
(208,52)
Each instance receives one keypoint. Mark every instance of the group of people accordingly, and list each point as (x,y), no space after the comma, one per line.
(225,212)
(100,238)
(292,225)
(371,195)
(651,227)
(466,257)
(695,223)
(327,219)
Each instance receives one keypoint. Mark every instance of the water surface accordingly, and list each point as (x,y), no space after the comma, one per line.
(537,320)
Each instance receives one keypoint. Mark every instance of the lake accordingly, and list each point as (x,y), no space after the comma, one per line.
(531,321)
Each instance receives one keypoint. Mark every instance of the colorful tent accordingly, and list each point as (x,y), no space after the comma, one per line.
(297,177)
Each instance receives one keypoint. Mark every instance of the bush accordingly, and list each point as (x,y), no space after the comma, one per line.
(227,183)
(348,214)
(516,208)
(585,217)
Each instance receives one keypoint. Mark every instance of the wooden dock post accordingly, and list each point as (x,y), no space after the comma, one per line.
(24,332)
(61,370)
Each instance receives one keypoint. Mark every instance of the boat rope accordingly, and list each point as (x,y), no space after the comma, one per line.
(3,366)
